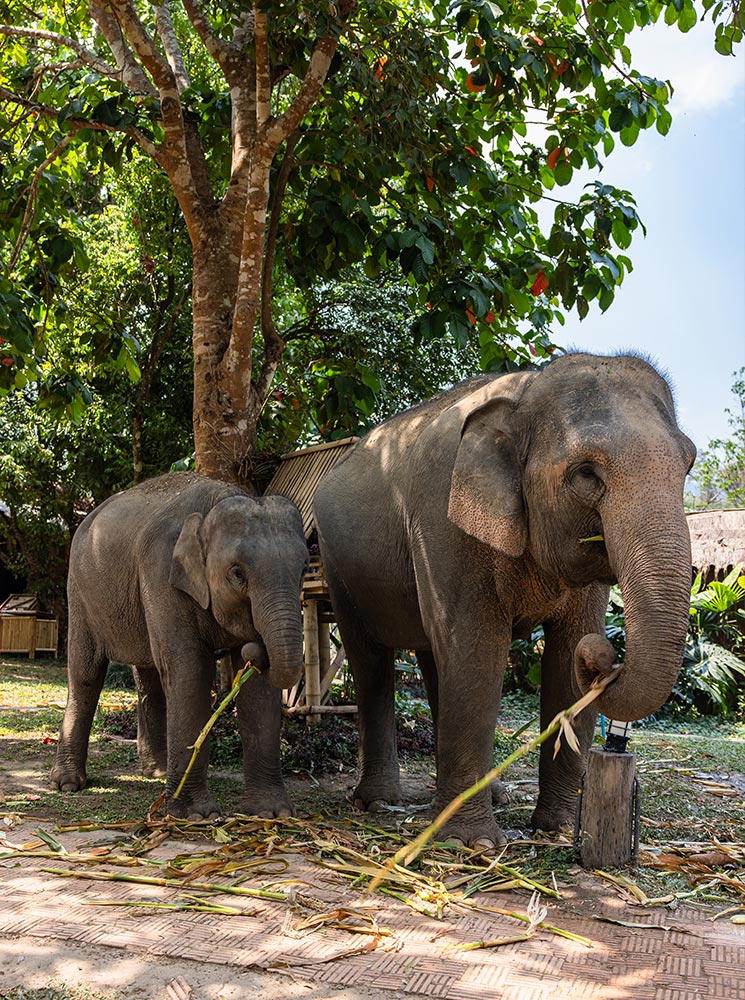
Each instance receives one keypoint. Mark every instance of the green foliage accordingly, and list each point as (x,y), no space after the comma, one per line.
(713,666)
(352,360)
(720,469)
(60,456)
(418,164)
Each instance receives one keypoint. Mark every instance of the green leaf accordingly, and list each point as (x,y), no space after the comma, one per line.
(621,234)
(688,17)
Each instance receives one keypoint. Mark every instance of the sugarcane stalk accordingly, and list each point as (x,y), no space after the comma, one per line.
(281,897)
(238,681)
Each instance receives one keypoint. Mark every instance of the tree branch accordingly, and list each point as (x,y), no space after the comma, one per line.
(310,88)
(128,69)
(143,46)
(181,154)
(221,52)
(175,57)
(273,343)
(263,69)
(85,55)
(28,215)
(77,123)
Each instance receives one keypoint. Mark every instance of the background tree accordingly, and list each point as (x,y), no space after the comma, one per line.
(719,472)
(300,139)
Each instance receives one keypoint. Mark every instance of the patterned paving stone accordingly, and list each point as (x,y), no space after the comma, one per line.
(686,956)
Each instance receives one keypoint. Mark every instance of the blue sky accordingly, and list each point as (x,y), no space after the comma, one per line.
(684,303)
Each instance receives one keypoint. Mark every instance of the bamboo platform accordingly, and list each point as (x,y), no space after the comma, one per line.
(25,629)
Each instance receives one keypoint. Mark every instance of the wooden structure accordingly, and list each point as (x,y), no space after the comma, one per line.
(717,541)
(25,628)
(297,478)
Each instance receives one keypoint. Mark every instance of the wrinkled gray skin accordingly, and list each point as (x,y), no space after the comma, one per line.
(458,525)
(162,576)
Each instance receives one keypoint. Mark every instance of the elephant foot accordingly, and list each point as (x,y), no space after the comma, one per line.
(376,794)
(153,762)
(552,817)
(153,768)
(267,803)
(478,835)
(153,771)
(64,778)
(193,807)
(500,795)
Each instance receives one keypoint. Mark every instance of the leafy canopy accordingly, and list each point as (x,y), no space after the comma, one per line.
(440,129)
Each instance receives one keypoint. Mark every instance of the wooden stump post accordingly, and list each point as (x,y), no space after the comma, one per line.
(312,661)
(607,831)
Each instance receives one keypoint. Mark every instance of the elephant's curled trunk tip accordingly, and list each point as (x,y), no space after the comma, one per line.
(594,657)
(254,654)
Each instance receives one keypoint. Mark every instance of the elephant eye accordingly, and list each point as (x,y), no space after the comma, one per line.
(237,576)
(586,481)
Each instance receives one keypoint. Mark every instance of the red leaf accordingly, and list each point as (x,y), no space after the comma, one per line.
(553,157)
(540,284)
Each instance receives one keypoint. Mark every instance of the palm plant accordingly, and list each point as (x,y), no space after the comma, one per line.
(713,667)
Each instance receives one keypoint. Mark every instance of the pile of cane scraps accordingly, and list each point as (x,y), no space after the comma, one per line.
(721,785)
(714,869)
(250,860)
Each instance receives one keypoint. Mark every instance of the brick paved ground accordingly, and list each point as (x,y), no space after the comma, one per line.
(677,955)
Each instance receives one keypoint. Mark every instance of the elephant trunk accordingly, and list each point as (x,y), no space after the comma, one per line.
(278,621)
(652,560)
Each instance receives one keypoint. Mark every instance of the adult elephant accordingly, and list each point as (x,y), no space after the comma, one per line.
(464,522)
(163,576)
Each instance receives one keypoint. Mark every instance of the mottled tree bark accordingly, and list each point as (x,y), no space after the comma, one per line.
(231,241)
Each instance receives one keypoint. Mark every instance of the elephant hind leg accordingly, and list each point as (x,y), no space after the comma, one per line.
(152,722)
(86,672)
(373,670)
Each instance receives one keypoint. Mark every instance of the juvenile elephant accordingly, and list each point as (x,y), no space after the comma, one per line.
(162,576)
(468,520)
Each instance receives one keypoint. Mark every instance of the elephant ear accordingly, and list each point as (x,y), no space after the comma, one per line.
(486,496)
(187,565)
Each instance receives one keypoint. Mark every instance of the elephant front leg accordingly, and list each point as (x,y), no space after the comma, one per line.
(86,672)
(259,721)
(152,743)
(469,695)
(186,676)
(560,777)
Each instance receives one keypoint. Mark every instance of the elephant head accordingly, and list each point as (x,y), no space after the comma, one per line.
(244,561)
(581,466)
